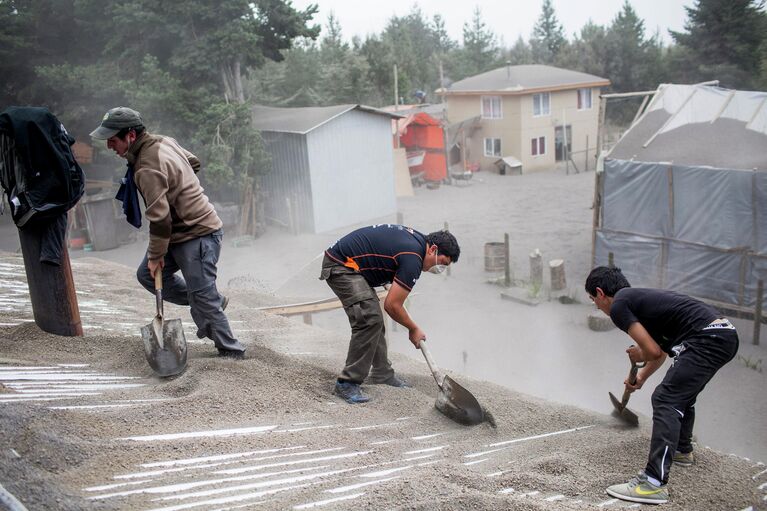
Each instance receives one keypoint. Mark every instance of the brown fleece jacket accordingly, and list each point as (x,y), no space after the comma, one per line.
(176,207)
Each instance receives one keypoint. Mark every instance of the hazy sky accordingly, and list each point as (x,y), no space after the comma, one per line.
(508,19)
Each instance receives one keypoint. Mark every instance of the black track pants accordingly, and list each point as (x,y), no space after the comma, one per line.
(673,401)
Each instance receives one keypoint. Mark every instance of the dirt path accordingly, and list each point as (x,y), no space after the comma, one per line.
(85,425)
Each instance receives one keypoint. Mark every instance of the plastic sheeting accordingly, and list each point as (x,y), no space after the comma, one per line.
(707,239)
(690,104)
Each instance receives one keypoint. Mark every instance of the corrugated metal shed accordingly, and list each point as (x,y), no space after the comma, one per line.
(331,166)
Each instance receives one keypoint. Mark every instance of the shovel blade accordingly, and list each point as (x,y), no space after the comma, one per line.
(459,404)
(166,351)
(622,412)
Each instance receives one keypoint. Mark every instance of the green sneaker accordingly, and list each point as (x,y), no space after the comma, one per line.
(639,489)
(684,459)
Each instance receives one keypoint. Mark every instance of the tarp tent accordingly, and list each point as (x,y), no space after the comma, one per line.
(682,198)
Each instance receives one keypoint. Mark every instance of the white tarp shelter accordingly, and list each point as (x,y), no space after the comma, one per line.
(682,198)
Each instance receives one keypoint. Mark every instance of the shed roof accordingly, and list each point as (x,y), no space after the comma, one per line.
(699,125)
(525,79)
(304,119)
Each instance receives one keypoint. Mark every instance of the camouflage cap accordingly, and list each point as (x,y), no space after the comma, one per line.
(115,120)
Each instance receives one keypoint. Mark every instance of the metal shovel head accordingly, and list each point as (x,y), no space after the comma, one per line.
(623,413)
(165,351)
(459,404)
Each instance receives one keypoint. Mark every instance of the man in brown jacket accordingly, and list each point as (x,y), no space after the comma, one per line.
(184,230)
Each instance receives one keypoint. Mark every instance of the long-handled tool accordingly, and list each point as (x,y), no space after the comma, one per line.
(620,410)
(453,400)
(164,340)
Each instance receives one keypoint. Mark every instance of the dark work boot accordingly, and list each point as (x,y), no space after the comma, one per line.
(350,392)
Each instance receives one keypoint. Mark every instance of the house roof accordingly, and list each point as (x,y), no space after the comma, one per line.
(699,125)
(525,79)
(305,119)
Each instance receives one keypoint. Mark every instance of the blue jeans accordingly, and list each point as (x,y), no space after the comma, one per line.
(196,286)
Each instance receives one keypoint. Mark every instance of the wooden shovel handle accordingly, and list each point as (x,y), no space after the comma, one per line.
(431,363)
(632,380)
(158,279)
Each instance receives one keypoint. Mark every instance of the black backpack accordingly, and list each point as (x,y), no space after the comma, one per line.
(38,170)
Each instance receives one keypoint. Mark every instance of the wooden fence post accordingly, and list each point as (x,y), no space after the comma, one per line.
(506,262)
(758,310)
(448,268)
(51,288)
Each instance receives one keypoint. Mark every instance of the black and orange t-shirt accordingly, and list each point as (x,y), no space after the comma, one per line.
(382,253)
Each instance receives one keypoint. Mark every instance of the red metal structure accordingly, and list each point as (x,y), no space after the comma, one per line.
(423,138)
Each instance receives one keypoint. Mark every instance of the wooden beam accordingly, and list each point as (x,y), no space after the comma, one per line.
(668,121)
(309,307)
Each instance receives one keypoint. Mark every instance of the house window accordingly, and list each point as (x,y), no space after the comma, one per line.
(541,104)
(492,147)
(584,99)
(491,107)
(538,146)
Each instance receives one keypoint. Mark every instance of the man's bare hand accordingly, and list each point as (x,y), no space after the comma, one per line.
(416,335)
(155,265)
(636,386)
(635,354)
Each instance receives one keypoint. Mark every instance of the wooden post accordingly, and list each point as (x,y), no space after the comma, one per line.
(557,269)
(610,260)
(587,153)
(307,318)
(536,268)
(506,262)
(596,205)
(51,288)
(601,125)
(400,218)
(758,310)
(448,268)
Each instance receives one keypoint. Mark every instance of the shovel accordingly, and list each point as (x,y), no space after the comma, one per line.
(620,410)
(454,401)
(164,340)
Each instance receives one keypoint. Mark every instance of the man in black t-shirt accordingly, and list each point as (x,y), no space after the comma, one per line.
(664,323)
(374,256)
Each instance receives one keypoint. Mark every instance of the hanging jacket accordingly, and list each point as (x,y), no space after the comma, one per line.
(38,170)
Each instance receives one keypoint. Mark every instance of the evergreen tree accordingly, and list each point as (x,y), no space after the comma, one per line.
(480,50)
(630,55)
(520,53)
(725,40)
(548,35)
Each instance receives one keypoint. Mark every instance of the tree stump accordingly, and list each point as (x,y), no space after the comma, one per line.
(536,269)
(557,269)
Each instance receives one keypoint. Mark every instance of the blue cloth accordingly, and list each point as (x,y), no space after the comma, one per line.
(128,195)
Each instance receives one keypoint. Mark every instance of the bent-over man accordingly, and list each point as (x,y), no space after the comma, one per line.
(664,323)
(375,256)
(184,230)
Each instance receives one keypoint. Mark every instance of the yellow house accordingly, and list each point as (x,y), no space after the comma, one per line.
(524,112)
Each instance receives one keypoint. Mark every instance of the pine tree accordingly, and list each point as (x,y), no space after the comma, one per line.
(725,40)
(548,35)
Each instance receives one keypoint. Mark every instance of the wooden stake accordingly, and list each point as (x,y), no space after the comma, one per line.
(506,262)
(51,288)
(758,310)
(448,268)
(557,269)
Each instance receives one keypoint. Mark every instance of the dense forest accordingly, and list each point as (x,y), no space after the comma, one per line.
(193,66)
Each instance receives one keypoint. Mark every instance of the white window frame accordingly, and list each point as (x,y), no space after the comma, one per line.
(539,103)
(582,95)
(537,141)
(496,107)
(492,152)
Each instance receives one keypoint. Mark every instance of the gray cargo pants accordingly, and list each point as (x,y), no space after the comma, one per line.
(196,287)
(367,349)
